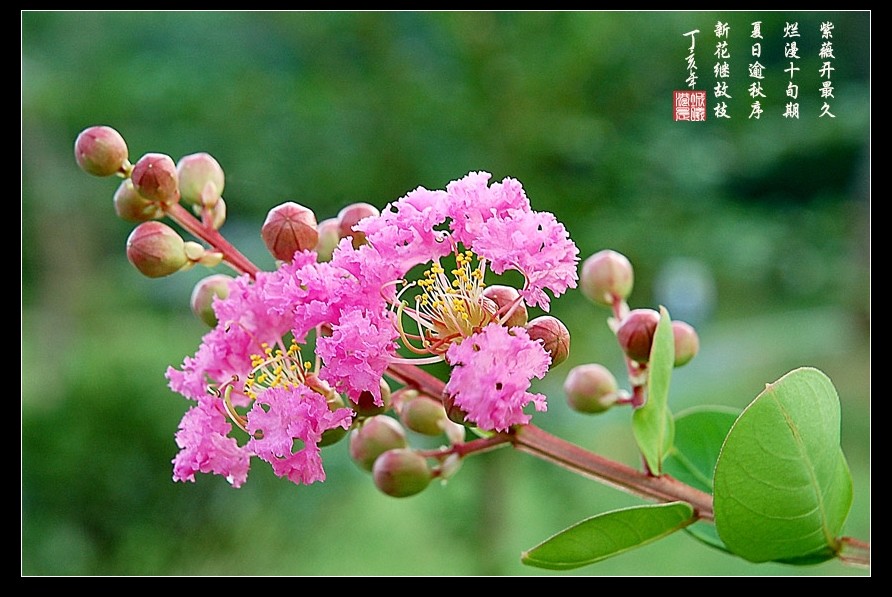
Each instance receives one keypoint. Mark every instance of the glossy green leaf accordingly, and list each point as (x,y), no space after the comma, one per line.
(609,534)
(782,485)
(652,424)
(699,435)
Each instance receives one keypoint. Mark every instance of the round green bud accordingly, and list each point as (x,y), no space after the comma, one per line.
(375,436)
(155,178)
(350,216)
(606,275)
(424,415)
(289,228)
(194,173)
(156,250)
(133,207)
(590,388)
(687,342)
(503,296)
(554,335)
(100,151)
(636,333)
(401,473)
(335,434)
(202,299)
(329,235)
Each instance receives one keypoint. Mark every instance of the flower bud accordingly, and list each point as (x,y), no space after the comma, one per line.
(329,235)
(687,342)
(156,250)
(365,406)
(503,296)
(202,300)
(401,473)
(554,335)
(590,388)
(194,173)
(376,435)
(218,214)
(605,275)
(289,228)
(350,216)
(133,207)
(636,333)
(335,434)
(100,151)
(155,178)
(454,412)
(424,415)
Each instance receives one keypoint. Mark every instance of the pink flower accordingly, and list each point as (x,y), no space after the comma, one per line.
(491,375)
(248,373)
(206,448)
(282,415)
(357,353)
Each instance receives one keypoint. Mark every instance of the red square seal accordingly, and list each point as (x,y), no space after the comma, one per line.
(689,105)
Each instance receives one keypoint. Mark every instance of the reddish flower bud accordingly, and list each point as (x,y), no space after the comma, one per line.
(401,473)
(289,228)
(155,178)
(203,294)
(636,333)
(554,336)
(503,297)
(194,172)
(590,388)
(100,151)
(350,216)
(687,342)
(605,275)
(376,435)
(133,207)
(366,407)
(455,413)
(329,235)
(156,250)
(424,415)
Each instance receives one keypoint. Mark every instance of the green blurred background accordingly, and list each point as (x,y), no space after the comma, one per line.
(757,232)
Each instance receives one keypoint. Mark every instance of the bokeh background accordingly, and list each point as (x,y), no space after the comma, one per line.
(757,232)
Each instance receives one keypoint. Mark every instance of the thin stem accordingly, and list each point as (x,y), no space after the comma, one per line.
(664,488)
(193,226)
(535,441)
(854,552)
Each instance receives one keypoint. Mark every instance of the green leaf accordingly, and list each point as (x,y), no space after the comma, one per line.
(652,424)
(609,534)
(699,435)
(782,485)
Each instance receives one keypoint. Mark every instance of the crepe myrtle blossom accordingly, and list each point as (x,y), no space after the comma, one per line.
(247,373)
(446,312)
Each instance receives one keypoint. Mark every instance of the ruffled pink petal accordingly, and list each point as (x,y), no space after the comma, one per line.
(491,375)
(205,446)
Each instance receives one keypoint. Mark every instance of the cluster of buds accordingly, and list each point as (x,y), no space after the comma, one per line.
(154,187)
(607,279)
(291,227)
(379,443)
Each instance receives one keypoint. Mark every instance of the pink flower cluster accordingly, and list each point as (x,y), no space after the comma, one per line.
(353,306)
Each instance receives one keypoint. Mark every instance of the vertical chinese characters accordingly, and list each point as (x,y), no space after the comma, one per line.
(756,72)
(722,69)
(826,54)
(791,53)
(691,61)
